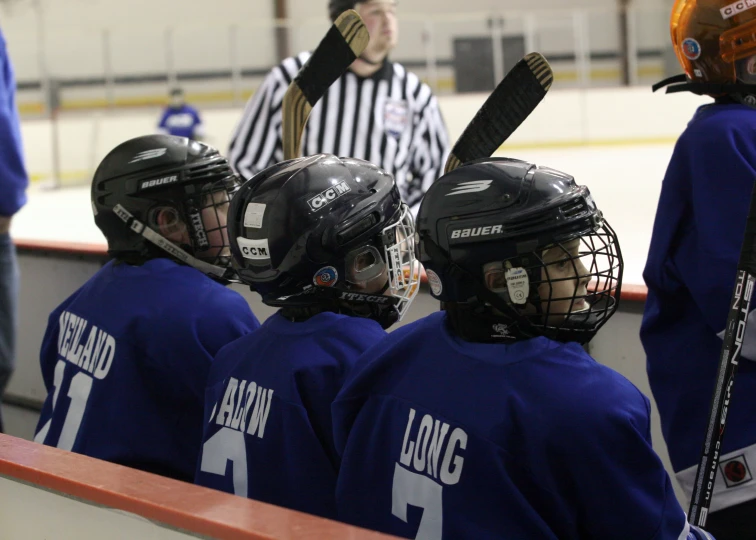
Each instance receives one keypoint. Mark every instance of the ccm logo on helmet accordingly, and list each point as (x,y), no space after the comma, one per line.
(477,231)
(327,196)
(253,249)
(737,7)
(159,182)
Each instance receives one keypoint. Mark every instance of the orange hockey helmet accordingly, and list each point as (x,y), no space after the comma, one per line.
(715,42)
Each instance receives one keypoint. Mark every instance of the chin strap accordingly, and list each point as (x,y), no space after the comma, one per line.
(217,272)
(740,92)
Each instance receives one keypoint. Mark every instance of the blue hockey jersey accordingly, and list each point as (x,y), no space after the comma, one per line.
(690,273)
(268,431)
(181,122)
(442,438)
(125,361)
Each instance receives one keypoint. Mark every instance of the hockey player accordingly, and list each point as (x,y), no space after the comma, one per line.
(488,419)
(125,358)
(181,119)
(692,261)
(330,242)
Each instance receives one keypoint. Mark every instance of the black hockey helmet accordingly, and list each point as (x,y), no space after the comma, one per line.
(517,251)
(185,184)
(326,232)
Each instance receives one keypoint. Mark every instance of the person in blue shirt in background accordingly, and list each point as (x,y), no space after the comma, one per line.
(181,119)
(125,358)
(329,241)
(488,419)
(693,257)
(13,184)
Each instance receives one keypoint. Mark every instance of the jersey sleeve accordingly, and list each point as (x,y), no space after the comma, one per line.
(257,136)
(609,470)
(430,146)
(720,188)
(319,386)
(185,346)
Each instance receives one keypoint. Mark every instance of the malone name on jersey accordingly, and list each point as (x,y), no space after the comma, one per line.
(93,353)
(238,401)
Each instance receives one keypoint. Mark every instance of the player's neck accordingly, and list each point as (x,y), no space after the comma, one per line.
(366,69)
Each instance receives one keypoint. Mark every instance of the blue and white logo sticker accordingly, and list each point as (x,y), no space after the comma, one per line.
(691,49)
(326,277)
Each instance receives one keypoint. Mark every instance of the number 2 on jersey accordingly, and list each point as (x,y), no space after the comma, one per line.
(78,392)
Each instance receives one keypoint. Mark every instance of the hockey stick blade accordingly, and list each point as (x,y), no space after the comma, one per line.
(516,96)
(732,343)
(342,45)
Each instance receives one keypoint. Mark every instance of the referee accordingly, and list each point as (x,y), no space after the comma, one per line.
(377,111)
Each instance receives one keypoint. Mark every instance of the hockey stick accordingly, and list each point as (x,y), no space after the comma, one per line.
(732,343)
(342,45)
(516,96)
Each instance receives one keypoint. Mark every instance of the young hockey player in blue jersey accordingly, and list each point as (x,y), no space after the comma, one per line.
(692,261)
(330,242)
(125,358)
(181,119)
(488,419)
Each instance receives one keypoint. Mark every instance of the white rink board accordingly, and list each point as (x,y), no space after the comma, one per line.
(32,513)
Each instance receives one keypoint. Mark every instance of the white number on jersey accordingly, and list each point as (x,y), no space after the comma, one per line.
(227,445)
(417,490)
(78,392)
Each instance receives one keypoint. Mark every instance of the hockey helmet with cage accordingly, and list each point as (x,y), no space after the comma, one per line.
(326,233)
(187,181)
(715,43)
(501,241)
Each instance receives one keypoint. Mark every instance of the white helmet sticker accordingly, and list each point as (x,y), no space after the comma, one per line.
(253,249)
(253,215)
(518,285)
(435,282)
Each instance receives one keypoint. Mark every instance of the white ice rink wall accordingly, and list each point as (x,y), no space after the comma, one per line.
(566,118)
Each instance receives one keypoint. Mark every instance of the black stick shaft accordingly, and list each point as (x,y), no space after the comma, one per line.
(737,318)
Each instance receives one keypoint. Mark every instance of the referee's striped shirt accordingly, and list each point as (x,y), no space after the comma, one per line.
(391,119)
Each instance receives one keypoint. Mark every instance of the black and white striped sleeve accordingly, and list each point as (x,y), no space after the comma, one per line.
(430,146)
(256,142)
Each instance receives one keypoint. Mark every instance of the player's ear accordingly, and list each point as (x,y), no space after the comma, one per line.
(169,224)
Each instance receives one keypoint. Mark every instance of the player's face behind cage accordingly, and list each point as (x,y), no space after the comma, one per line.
(576,283)
(203,226)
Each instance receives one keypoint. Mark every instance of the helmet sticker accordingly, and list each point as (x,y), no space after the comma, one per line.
(199,229)
(149,154)
(253,215)
(435,282)
(159,182)
(501,330)
(253,249)
(518,285)
(326,277)
(472,186)
(691,48)
(327,196)
(737,7)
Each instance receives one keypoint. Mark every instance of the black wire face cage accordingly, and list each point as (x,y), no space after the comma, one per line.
(206,218)
(565,291)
